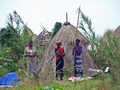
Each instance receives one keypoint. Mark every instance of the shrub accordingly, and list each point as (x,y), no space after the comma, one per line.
(3,71)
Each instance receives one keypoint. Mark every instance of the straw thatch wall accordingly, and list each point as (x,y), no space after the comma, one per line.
(116,32)
(105,35)
(67,35)
(31,34)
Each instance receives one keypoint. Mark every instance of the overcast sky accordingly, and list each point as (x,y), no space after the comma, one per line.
(103,13)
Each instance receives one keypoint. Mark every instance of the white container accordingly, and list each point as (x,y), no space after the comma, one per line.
(31,52)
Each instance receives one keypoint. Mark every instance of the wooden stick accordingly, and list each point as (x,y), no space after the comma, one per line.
(78,16)
(75,39)
(66,17)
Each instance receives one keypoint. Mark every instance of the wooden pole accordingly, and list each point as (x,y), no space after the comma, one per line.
(75,38)
(78,16)
(66,17)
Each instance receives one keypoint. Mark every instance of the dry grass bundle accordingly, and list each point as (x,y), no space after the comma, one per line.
(67,35)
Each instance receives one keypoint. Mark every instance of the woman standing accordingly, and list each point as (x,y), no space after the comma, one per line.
(77,50)
(30,53)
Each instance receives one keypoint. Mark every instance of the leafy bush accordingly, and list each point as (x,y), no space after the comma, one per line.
(3,71)
(6,61)
(10,36)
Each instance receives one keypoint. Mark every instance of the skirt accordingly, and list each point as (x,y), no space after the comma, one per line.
(32,66)
(78,65)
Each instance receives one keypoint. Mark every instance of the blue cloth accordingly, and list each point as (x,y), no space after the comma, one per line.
(9,79)
(78,65)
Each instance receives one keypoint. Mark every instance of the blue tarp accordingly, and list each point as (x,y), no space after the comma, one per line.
(9,79)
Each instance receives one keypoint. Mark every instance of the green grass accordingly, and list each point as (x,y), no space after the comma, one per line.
(99,82)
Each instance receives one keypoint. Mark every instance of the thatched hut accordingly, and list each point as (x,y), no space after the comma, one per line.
(30,33)
(116,32)
(67,35)
(43,38)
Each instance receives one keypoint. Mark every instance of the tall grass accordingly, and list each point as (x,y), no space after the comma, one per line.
(104,51)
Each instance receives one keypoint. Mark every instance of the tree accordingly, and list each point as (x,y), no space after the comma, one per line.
(7,34)
(10,36)
(89,33)
(56,28)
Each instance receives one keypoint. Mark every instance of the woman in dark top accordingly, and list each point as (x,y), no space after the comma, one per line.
(77,50)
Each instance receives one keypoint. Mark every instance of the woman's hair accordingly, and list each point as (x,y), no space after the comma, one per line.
(77,40)
(30,41)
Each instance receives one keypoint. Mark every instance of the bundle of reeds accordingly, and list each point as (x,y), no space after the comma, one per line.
(67,35)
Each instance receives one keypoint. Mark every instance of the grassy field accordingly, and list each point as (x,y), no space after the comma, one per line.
(99,82)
